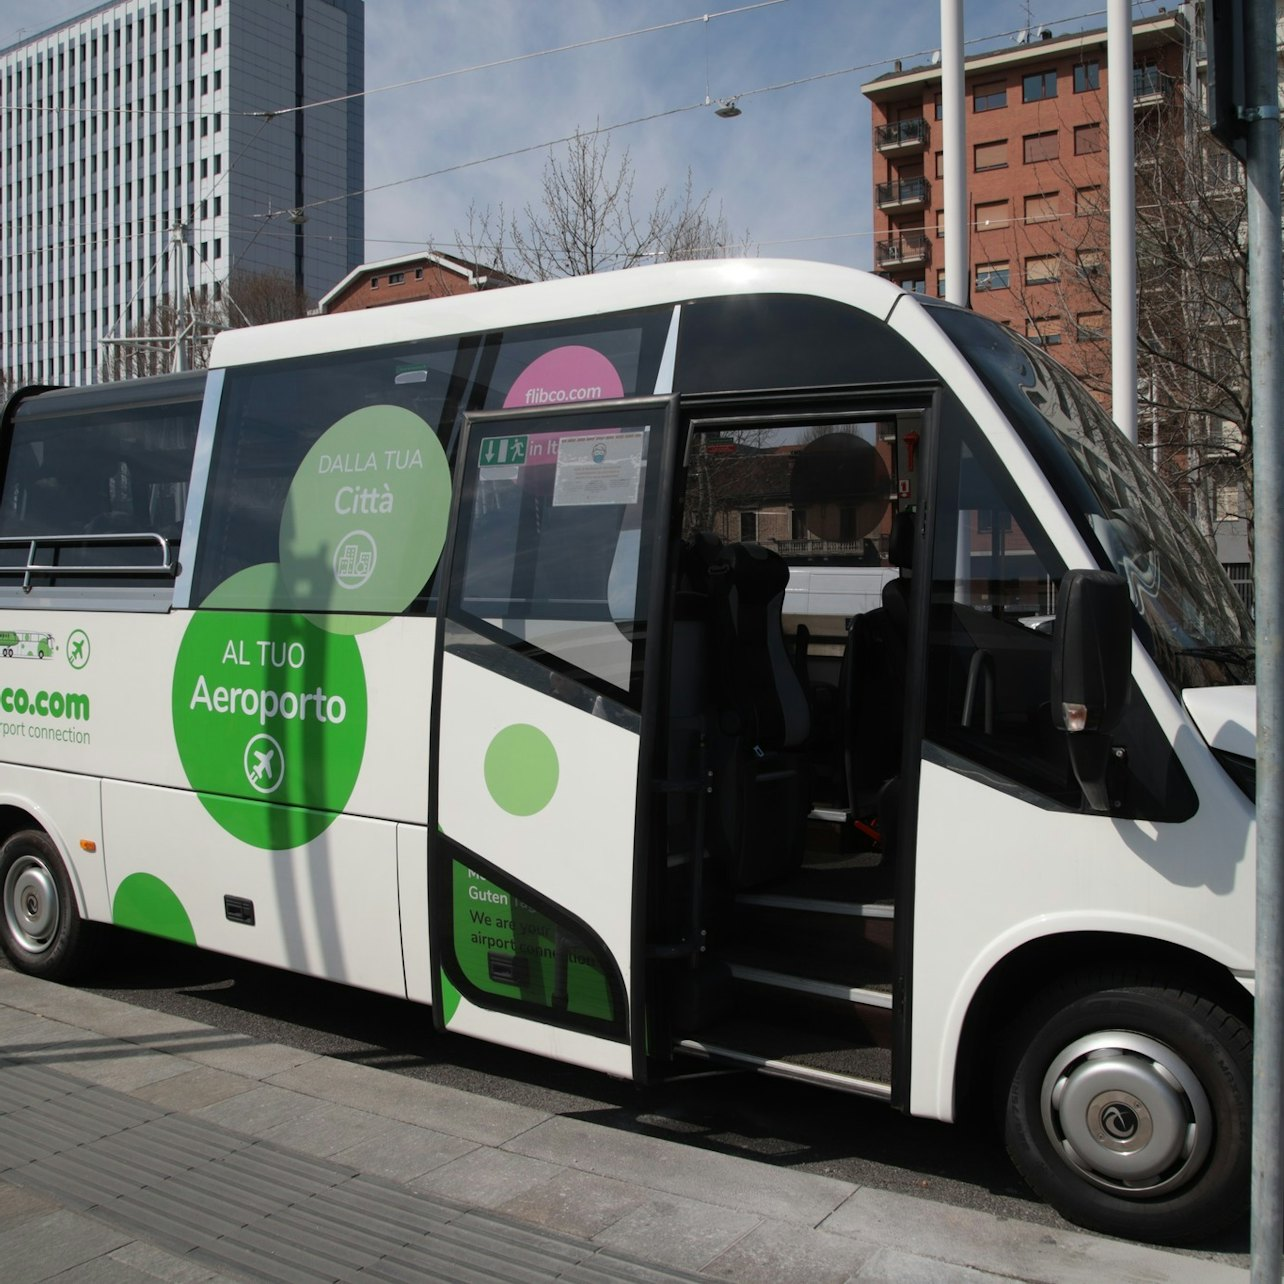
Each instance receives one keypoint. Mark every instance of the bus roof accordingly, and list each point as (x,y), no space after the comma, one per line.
(552,301)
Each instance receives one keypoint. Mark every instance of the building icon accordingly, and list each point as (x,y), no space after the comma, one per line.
(148,141)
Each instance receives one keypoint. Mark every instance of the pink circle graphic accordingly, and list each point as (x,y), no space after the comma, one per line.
(565,376)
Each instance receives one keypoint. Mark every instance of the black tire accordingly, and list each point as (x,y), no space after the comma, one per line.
(1128,1108)
(41,930)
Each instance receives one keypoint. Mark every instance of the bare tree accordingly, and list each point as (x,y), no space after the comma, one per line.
(258,298)
(1194,398)
(588,219)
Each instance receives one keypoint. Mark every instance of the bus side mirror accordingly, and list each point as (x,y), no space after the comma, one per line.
(1091,670)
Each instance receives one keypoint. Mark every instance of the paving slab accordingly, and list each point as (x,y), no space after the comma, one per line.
(670,1230)
(18,1205)
(652,1162)
(156,1264)
(40,1249)
(404,1153)
(430,1105)
(329,1127)
(779,1253)
(257,1110)
(577,1202)
(968,1237)
(195,1087)
(486,1178)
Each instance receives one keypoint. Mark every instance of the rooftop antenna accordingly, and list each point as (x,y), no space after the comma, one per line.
(1023,36)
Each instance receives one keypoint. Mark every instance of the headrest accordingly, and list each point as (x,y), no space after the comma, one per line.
(900,541)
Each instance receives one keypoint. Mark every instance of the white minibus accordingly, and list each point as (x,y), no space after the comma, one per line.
(742,664)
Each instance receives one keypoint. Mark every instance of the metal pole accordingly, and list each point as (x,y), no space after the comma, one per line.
(953,145)
(178,278)
(1123,219)
(1262,173)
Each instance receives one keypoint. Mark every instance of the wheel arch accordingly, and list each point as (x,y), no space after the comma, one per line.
(1034,965)
(15,817)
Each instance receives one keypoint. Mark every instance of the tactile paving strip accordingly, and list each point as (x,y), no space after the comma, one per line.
(255,1209)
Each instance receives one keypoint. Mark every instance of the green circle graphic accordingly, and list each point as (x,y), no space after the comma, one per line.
(270,717)
(147,904)
(521,769)
(364,521)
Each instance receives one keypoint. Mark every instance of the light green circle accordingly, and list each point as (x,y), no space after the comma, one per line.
(521,769)
(364,521)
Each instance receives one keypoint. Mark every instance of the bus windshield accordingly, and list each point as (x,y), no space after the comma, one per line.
(1194,623)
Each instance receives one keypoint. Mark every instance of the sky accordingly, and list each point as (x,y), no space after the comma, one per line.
(791,174)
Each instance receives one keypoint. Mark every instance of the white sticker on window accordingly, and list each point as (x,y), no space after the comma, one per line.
(598,470)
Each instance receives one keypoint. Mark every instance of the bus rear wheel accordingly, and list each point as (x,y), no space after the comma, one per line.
(41,932)
(1128,1108)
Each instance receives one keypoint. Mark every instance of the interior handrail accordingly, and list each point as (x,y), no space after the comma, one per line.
(49,544)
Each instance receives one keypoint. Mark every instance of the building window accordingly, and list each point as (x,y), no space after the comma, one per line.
(940,283)
(990,97)
(914,285)
(1045,331)
(1146,80)
(374,282)
(1041,208)
(1088,202)
(990,155)
(749,526)
(937,108)
(1090,327)
(1090,262)
(1087,139)
(1087,75)
(396,278)
(1042,268)
(940,164)
(419,274)
(991,215)
(1040,147)
(1038,85)
(992,276)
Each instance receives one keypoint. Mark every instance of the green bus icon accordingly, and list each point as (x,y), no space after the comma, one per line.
(15,645)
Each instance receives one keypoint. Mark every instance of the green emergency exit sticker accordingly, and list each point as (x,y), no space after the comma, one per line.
(496,451)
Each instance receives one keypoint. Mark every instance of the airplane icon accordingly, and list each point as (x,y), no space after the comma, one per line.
(264,764)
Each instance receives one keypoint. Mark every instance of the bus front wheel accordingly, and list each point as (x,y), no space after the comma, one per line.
(42,931)
(1128,1108)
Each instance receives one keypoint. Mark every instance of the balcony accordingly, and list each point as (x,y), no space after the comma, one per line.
(903,196)
(1151,87)
(901,138)
(912,250)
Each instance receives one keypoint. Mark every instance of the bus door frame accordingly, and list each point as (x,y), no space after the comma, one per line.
(662,457)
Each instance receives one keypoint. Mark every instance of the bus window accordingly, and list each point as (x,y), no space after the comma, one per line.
(551,366)
(553,532)
(994,581)
(108,463)
(330,477)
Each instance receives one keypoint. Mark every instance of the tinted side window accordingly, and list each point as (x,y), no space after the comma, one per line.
(783,341)
(575,362)
(108,465)
(994,580)
(329,486)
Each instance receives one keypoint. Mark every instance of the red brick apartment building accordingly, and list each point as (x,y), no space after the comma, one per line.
(1038,176)
(422,275)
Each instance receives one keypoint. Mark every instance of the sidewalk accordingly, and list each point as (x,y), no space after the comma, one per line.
(136,1146)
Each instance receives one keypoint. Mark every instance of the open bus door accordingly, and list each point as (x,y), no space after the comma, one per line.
(540,766)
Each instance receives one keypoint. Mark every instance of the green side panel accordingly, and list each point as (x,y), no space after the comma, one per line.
(509,949)
(147,904)
(450,999)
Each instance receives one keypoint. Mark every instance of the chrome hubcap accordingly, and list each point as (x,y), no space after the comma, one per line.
(1127,1113)
(31,908)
